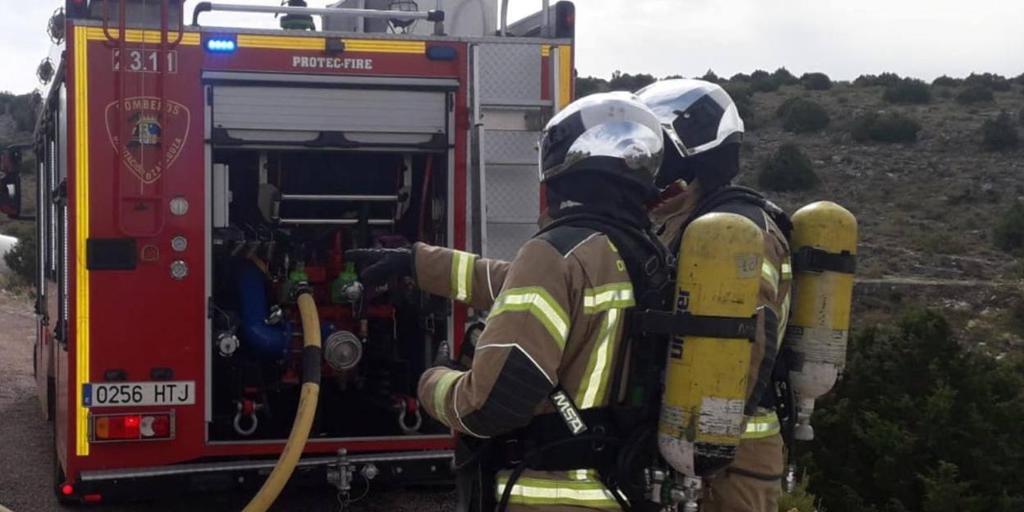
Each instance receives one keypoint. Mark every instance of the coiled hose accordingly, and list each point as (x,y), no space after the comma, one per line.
(306,411)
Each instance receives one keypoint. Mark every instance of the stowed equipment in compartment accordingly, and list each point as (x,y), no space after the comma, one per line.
(284,218)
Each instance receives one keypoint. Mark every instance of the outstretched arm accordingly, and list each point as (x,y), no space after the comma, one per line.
(517,356)
(459,275)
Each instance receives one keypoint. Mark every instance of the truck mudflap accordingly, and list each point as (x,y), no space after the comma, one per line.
(342,470)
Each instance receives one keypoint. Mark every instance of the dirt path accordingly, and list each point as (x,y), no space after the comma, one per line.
(927,281)
(26,446)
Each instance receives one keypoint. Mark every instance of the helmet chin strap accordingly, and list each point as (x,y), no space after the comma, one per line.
(597,195)
(714,168)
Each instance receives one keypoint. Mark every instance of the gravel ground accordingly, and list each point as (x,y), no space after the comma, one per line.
(26,447)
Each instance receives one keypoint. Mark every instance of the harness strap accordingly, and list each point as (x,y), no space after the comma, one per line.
(568,411)
(682,323)
(730,194)
(550,444)
(811,259)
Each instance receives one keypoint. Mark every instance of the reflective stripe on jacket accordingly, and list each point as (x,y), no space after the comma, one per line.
(556,317)
(764,424)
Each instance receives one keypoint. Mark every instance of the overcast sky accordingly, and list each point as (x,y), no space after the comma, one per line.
(844,38)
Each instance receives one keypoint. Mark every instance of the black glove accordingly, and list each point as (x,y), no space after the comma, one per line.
(444,358)
(380,264)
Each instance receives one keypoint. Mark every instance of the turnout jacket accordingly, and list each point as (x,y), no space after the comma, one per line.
(556,319)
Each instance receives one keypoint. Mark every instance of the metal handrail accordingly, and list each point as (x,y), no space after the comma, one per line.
(504,18)
(120,87)
(545,13)
(545,30)
(122,23)
(201,7)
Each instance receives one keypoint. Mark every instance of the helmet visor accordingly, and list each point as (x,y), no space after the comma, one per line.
(637,145)
(695,115)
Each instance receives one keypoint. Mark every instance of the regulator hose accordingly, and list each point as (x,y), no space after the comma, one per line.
(306,411)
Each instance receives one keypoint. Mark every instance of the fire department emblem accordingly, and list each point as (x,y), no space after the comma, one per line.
(153,132)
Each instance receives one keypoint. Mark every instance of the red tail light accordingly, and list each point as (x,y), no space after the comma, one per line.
(132,427)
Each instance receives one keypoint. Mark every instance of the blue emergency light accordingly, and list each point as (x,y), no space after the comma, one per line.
(221,44)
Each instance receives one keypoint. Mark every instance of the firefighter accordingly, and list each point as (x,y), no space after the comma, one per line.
(703,133)
(531,410)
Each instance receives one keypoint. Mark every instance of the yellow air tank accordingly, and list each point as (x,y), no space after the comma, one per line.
(824,246)
(707,376)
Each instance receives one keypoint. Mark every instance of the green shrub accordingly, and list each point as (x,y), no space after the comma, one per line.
(1019,79)
(947,81)
(801,115)
(626,82)
(799,500)
(787,169)
(1000,133)
(710,76)
(21,259)
(740,77)
(587,85)
(816,81)
(975,94)
(990,80)
(1008,233)
(882,80)
(1020,117)
(762,81)
(920,422)
(888,127)
(783,109)
(782,76)
(22,109)
(743,97)
(909,91)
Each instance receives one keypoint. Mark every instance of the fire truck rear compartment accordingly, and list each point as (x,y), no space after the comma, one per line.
(282,219)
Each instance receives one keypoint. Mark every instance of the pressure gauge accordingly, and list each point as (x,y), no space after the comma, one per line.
(179,269)
(179,243)
(179,206)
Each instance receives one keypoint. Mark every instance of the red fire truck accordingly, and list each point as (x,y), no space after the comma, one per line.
(192,176)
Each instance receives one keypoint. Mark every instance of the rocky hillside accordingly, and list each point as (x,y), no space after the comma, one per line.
(927,209)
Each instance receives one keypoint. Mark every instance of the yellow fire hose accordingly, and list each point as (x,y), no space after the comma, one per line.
(307,408)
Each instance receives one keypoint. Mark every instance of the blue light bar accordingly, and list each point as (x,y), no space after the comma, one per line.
(436,52)
(221,44)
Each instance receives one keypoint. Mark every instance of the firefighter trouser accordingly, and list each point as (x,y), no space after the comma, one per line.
(753,482)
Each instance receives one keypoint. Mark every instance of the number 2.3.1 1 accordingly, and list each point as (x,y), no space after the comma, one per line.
(146,61)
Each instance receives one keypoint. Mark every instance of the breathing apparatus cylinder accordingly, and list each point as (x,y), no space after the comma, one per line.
(824,243)
(706,383)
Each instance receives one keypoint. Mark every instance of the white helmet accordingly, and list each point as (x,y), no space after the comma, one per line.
(703,128)
(611,133)
(697,115)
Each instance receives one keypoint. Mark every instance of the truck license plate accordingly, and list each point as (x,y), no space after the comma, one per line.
(108,394)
